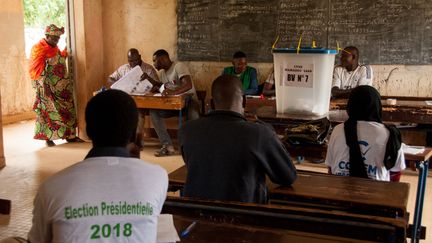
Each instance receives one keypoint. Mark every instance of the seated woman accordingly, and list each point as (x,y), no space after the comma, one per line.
(363,146)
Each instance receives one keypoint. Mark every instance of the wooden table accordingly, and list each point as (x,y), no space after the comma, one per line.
(175,102)
(408,110)
(329,192)
(172,102)
(218,221)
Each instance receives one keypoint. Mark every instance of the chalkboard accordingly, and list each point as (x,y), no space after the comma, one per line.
(385,31)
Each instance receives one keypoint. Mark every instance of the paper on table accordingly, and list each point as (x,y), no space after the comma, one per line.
(162,88)
(412,149)
(428,102)
(131,84)
(166,232)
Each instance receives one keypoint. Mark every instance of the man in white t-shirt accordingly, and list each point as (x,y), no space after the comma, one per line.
(149,73)
(350,74)
(177,80)
(109,196)
(134,59)
(363,146)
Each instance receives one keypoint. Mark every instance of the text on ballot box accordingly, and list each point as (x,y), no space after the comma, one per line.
(303,80)
(298,75)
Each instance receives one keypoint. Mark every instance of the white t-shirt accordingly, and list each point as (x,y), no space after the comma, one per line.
(145,67)
(100,199)
(344,79)
(174,74)
(373,138)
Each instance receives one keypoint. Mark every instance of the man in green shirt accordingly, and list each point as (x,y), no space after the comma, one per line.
(247,74)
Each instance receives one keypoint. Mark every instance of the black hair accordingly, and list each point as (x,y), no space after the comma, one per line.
(239,54)
(161,52)
(111,118)
(133,51)
(352,49)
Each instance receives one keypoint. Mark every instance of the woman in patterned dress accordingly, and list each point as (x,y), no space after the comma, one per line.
(54,104)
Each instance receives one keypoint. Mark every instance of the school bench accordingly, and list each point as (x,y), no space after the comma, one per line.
(218,221)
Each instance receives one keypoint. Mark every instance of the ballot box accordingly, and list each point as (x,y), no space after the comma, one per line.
(303,80)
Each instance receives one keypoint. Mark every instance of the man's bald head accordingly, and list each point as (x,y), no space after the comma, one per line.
(134,57)
(227,93)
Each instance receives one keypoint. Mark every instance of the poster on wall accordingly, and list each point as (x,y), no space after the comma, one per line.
(297,75)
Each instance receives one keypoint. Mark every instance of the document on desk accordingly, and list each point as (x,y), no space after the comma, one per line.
(131,83)
(408,149)
(166,232)
(428,102)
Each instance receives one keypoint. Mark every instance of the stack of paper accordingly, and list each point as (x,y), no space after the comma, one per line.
(166,232)
(132,84)
(408,149)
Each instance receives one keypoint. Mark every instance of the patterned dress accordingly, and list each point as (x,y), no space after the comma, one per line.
(54,103)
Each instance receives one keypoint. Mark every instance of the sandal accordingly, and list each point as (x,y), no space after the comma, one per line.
(164,151)
(75,140)
(50,143)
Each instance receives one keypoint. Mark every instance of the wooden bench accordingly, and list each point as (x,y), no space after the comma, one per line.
(218,221)
(329,192)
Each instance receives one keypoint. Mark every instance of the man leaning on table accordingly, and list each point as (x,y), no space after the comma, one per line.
(350,74)
(177,80)
(149,73)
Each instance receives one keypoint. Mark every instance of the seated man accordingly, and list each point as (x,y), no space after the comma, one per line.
(109,187)
(134,59)
(177,80)
(149,73)
(350,74)
(247,74)
(228,157)
(269,85)
(363,146)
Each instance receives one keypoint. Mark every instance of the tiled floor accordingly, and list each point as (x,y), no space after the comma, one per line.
(29,162)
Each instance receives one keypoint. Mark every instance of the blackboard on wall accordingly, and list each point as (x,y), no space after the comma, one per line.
(385,31)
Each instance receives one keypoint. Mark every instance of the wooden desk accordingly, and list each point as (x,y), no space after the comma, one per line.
(344,193)
(329,192)
(176,102)
(405,111)
(239,222)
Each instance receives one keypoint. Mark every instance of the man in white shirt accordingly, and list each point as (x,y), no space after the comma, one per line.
(134,59)
(149,73)
(109,196)
(350,74)
(177,80)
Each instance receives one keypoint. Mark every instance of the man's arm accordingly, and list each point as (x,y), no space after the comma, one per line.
(110,81)
(268,89)
(366,75)
(340,93)
(185,84)
(276,160)
(253,88)
(40,230)
(114,77)
(153,81)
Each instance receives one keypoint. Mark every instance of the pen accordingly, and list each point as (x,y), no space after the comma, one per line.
(186,231)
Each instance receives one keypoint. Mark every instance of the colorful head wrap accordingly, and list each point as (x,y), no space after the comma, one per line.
(54,30)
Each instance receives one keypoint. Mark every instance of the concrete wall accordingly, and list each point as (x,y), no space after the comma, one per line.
(88,54)
(146,25)
(16,90)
